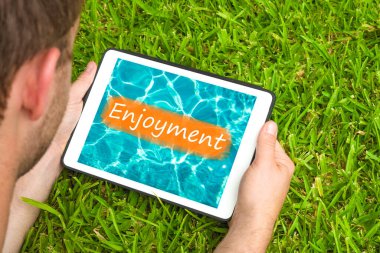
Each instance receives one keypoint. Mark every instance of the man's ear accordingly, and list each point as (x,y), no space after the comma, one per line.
(39,82)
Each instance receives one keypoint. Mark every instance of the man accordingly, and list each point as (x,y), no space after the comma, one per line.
(39,109)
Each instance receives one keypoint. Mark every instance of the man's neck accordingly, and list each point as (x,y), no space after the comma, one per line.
(8,177)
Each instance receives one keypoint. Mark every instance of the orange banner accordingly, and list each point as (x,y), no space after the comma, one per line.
(167,128)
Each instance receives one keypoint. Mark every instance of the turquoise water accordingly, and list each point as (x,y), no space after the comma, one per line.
(187,175)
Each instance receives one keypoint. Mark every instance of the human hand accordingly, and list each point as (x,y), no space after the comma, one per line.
(262,192)
(74,106)
(37,183)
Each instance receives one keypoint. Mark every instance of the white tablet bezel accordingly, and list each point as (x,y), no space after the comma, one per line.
(262,109)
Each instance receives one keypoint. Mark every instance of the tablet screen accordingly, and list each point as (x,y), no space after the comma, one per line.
(167,131)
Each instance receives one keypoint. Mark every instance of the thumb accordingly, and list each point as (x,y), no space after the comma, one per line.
(83,83)
(266,143)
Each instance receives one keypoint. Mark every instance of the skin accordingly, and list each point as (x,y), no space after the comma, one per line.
(262,192)
(37,183)
(35,88)
(32,91)
(28,133)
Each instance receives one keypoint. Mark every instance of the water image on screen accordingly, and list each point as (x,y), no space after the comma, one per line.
(185,174)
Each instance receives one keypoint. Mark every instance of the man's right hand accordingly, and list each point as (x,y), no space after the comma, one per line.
(262,192)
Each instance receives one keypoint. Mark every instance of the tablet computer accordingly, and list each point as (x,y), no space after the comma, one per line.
(180,134)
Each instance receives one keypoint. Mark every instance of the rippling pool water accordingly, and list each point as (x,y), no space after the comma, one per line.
(187,175)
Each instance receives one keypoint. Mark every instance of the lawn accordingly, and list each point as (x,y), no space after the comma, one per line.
(321,59)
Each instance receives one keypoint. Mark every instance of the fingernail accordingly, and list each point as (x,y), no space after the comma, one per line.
(271,128)
(90,67)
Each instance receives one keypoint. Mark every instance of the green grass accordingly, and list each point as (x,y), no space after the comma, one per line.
(321,58)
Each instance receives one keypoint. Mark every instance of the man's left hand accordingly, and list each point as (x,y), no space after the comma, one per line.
(37,183)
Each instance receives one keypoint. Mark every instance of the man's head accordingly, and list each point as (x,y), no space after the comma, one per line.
(35,72)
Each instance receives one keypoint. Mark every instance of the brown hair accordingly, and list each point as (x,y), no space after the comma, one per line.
(28,27)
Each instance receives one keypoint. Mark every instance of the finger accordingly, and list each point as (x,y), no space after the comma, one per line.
(266,143)
(283,159)
(83,83)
